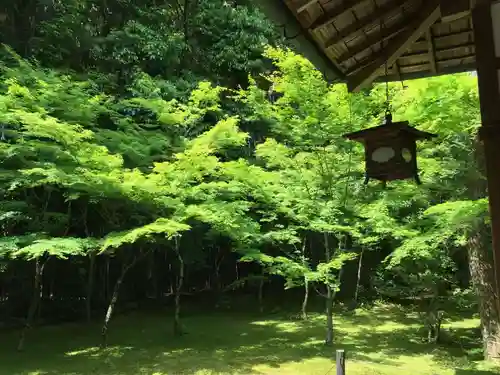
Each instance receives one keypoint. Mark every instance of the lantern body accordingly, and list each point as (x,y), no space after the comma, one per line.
(390,150)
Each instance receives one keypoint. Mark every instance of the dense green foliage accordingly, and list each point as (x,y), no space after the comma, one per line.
(144,162)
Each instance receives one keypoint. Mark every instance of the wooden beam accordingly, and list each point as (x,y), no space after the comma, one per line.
(452,10)
(422,55)
(333,13)
(422,43)
(356,68)
(457,34)
(363,46)
(426,17)
(372,40)
(426,73)
(369,19)
(489,97)
(446,49)
(457,60)
(432,50)
(458,66)
(306,5)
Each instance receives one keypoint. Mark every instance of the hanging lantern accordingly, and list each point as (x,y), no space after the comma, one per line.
(390,150)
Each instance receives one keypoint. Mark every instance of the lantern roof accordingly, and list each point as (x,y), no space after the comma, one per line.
(389,130)
(353,40)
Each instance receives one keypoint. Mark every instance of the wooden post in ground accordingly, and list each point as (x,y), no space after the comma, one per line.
(341,362)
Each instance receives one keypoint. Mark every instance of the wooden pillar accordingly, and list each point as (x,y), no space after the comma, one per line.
(340,362)
(486,19)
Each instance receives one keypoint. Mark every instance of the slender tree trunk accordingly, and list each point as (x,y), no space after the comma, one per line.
(172,279)
(35,301)
(218,281)
(358,280)
(91,273)
(305,301)
(218,285)
(261,294)
(329,299)
(482,275)
(329,315)
(215,281)
(152,278)
(40,302)
(114,299)
(90,286)
(180,281)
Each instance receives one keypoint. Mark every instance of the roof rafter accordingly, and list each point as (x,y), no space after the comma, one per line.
(459,34)
(417,74)
(426,17)
(455,48)
(370,19)
(443,61)
(372,40)
(333,13)
(306,5)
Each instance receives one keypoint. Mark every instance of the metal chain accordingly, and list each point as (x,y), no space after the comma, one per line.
(349,163)
(387,95)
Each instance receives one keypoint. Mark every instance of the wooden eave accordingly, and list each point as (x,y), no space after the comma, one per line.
(362,41)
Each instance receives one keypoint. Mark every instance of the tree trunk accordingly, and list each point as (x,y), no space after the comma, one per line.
(329,299)
(218,263)
(261,294)
(90,287)
(216,282)
(38,314)
(305,301)
(35,301)
(152,277)
(114,299)
(358,280)
(329,315)
(482,275)
(180,281)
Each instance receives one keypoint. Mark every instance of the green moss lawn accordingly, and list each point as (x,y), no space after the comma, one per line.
(379,341)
